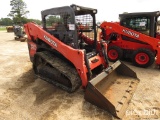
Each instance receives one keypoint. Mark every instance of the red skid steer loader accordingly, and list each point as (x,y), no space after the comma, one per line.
(66,53)
(136,37)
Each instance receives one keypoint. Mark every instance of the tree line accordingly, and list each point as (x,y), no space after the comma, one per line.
(9,22)
(17,14)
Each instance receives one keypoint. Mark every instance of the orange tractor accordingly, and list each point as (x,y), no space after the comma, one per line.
(67,58)
(135,37)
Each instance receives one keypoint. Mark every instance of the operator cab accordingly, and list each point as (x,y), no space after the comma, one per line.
(143,22)
(68,23)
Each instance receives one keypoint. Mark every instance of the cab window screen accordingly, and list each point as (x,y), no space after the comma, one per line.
(85,24)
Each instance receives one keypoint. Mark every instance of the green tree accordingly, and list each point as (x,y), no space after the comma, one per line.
(18,10)
(35,20)
(6,21)
(52,19)
(25,20)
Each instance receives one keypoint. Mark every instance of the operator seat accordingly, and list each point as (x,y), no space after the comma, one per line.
(61,30)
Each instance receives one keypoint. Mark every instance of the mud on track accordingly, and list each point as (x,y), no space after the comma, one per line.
(25,97)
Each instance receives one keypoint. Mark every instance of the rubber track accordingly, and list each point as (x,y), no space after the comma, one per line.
(64,68)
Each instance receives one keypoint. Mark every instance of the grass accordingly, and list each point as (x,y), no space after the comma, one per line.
(2,28)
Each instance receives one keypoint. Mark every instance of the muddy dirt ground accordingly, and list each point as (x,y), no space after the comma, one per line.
(23,96)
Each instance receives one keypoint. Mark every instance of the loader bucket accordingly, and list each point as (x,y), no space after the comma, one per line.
(112,89)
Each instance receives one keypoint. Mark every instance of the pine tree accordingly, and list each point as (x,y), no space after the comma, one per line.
(18,10)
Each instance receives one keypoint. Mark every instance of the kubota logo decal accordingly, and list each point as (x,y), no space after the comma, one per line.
(131,33)
(50,40)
